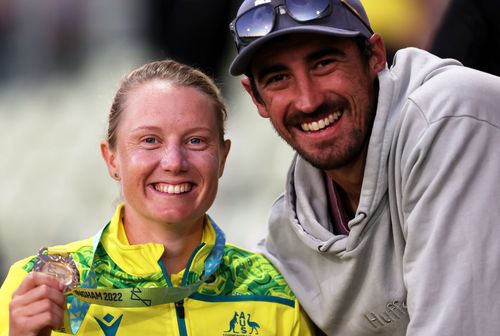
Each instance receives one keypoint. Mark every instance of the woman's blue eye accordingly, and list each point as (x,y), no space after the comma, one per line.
(150,140)
(195,141)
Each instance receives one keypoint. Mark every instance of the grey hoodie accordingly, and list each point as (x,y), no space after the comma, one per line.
(423,253)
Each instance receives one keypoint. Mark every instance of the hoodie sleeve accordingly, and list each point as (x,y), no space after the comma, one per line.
(449,186)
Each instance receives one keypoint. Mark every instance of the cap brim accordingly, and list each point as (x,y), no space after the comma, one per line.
(242,61)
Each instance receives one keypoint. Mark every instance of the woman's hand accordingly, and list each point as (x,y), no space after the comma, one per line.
(37,306)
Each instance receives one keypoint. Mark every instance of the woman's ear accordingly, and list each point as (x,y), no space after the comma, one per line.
(225,151)
(109,157)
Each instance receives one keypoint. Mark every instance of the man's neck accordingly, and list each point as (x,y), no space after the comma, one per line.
(349,194)
(349,179)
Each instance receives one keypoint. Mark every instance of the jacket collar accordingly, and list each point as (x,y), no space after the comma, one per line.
(143,259)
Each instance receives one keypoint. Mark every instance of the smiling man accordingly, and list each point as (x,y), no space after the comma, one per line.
(389,223)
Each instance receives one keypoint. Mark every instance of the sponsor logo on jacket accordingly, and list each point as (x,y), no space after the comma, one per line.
(109,324)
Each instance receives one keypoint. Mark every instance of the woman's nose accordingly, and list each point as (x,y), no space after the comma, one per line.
(174,159)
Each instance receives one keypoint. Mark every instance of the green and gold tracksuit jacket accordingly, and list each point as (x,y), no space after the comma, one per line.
(245,296)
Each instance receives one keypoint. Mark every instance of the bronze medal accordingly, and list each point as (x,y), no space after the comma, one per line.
(62,267)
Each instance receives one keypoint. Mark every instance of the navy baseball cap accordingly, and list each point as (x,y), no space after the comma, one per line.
(259,21)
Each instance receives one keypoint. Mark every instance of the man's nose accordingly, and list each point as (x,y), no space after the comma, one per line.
(174,159)
(308,95)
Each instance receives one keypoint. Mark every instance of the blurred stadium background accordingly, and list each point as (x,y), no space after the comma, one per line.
(60,64)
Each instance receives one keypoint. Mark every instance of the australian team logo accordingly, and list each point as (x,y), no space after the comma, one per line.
(242,324)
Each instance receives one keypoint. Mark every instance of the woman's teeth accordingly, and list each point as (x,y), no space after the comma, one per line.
(173,189)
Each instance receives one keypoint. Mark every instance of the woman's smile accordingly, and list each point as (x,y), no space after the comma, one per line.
(173,188)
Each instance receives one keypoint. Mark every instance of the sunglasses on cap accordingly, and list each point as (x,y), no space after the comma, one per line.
(260,20)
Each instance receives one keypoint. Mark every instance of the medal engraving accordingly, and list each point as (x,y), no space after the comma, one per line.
(61,267)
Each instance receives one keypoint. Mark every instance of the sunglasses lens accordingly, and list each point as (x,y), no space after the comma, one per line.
(305,10)
(257,22)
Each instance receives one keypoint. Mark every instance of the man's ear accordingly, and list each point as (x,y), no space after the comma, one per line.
(378,57)
(261,107)
(110,159)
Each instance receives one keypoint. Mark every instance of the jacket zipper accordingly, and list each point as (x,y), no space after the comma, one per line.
(179,305)
(181,322)
(179,309)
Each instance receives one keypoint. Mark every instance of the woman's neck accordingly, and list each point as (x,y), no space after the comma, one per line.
(178,240)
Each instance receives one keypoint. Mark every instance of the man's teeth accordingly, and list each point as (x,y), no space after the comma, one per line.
(173,189)
(322,123)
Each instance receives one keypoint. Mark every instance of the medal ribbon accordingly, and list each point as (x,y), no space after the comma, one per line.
(81,297)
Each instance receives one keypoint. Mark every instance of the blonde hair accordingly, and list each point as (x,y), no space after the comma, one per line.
(172,71)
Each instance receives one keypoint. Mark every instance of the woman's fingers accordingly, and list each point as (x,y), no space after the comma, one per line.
(39,293)
(24,322)
(37,305)
(35,279)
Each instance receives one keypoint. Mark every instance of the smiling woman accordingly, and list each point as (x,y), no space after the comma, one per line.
(161,264)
